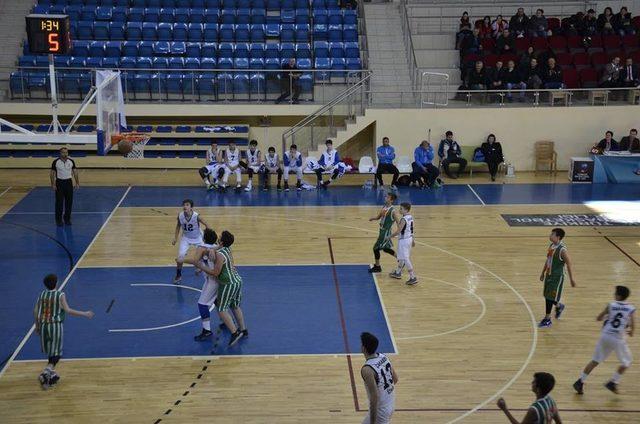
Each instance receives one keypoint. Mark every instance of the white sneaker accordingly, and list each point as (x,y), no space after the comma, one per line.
(248,187)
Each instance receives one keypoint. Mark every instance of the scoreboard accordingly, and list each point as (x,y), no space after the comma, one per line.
(48,34)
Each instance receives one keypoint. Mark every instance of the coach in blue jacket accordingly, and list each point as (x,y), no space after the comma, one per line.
(386,154)
(424,172)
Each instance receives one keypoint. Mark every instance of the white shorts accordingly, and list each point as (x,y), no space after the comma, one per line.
(255,168)
(209,291)
(609,343)
(213,169)
(185,243)
(404,249)
(384,416)
(232,166)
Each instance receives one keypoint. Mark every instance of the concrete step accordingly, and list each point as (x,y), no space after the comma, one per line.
(437,58)
(434,41)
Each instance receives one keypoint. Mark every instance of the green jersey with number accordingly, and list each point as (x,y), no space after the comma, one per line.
(50,308)
(555,264)
(229,274)
(386,222)
(545,409)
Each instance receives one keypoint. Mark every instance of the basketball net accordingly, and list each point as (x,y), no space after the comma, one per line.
(137,140)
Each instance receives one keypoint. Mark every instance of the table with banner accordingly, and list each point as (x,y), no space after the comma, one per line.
(616,167)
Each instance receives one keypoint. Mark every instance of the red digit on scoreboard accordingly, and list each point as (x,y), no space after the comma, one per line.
(54,44)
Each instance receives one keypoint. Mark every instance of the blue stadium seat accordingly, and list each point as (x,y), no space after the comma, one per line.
(141,83)
(129,48)
(198,4)
(85,30)
(166,15)
(336,49)
(272,30)
(160,63)
(256,50)
(192,63)
(349,17)
(149,31)
(112,49)
(17,84)
(173,83)
(42,62)
(212,4)
(128,62)
(144,63)
(241,33)
(306,79)
(193,50)
(241,50)
(354,63)
(88,13)
(273,5)
(257,84)
(302,16)
(228,4)
(101,30)
(80,48)
(134,31)
(257,33)
(302,4)
(321,64)
(164,129)
(225,62)
(116,31)
(111,62)
(181,15)
(302,33)
(27,61)
(145,48)
(180,32)
(104,14)
(241,83)
(256,63)
(152,14)
(320,32)
(208,63)
(121,3)
(206,84)
(178,48)
(321,48)
(332,4)
(96,49)
(195,32)
(303,51)
(226,33)
(176,63)
(335,33)
(136,14)
(243,4)
(287,4)
(258,16)
(228,16)
(287,51)
(241,63)
(77,62)
(58,60)
(318,4)
(74,12)
(93,3)
(351,50)
(287,33)
(349,33)
(196,16)
(272,51)
(338,64)
(259,4)
(243,16)
(210,32)
(211,16)
(168,3)
(225,50)
(287,16)
(165,32)
(335,17)
(154,3)
(160,48)
(209,50)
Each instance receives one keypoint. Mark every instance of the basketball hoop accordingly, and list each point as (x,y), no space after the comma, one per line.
(137,140)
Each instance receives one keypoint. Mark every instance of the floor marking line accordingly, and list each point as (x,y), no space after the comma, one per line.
(384,312)
(5,190)
(476,194)
(172,265)
(53,213)
(66,280)
(621,250)
(199,357)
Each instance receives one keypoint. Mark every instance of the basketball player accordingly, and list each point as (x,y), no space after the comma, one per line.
(620,316)
(230,289)
(405,243)
(328,162)
(232,165)
(49,314)
(544,409)
(387,216)
(272,166)
(212,167)
(380,379)
(188,222)
(293,163)
(210,287)
(254,164)
(553,275)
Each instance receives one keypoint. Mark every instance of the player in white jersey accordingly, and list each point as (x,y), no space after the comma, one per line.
(620,319)
(405,234)
(254,164)
(329,162)
(272,166)
(380,379)
(210,286)
(232,165)
(212,168)
(293,163)
(189,222)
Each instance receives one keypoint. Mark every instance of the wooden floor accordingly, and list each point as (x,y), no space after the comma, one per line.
(465,334)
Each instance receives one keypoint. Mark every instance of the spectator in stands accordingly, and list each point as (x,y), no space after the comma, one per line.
(538,25)
(498,26)
(606,144)
(450,152)
(485,28)
(477,79)
(552,76)
(424,172)
(630,142)
(573,25)
(605,22)
(519,23)
(464,34)
(611,74)
(349,4)
(290,80)
(495,77)
(629,74)
(464,20)
(386,154)
(492,151)
(534,75)
(505,43)
(525,58)
(622,22)
(590,23)
(513,80)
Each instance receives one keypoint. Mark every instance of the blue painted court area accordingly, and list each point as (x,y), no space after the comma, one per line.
(31,246)
(288,310)
(496,194)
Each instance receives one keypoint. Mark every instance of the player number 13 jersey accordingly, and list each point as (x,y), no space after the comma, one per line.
(384,379)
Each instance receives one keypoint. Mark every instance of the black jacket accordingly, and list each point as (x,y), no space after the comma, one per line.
(475,77)
(518,23)
(511,76)
(633,147)
(602,144)
(552,75)
(634,73)
(492,152)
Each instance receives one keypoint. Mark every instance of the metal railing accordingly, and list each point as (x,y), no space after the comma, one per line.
(324,123)
(408,44)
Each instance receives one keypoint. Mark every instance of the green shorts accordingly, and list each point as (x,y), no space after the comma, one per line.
(51,338)
(553,288)
(229,296)
(384,241)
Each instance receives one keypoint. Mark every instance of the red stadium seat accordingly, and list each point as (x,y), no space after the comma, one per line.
(599,60)
(630,42)
(570,78)
(539,43)
(589,78)
(617,53)
(635,56)
(581,61)
(490,60)
(488,44)
(564,59)
(522,44)
(611,42)
(575,43)
(558,43)
(505,58)
(636,22)
(554,24)
(471,58)
(595,44)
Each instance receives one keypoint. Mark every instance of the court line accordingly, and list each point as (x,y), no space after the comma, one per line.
(476,194)
(621,250)
(5,190)
(384,312)
(455,330)
(239,266)
(53,213)
(605,411)
(64,283)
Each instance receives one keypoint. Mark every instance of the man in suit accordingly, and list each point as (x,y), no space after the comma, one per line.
(630,142)
(450,152)
(611,75)
(606,144)
(629,74)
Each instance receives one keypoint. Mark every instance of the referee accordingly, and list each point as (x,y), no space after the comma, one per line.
(63,174)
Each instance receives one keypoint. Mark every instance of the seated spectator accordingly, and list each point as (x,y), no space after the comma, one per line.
(498,26)
(611,74)
(511,79)
(465,34)
(424,172)
(525,58)
(485,28)
(538,25)
(630,142)
(450,152)
(552,76)
(606,144)
(519,23)
(629,74)
(386,154)
(492,151)
(622,22)
(533,76)
(505,43)
(464,20)
(573,25)
(349,4)
(590,24)
(477,79)
(605,22)
(495,78)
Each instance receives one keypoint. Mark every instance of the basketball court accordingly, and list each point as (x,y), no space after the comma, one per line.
(465,335)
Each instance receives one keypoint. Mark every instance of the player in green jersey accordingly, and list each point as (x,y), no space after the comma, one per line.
(49,314)
(553,275)
(387,216)
(544,409)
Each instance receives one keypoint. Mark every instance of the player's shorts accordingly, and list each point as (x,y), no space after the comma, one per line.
(272,169)
(213,169)
(51,338)
(256,168)
(609,343)
(185,243)
(553,288)
(384,241)
(209,291)
(229,296)
(232,165)
(384,416)
(404,249)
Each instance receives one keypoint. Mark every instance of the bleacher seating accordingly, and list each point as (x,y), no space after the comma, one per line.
(143,37)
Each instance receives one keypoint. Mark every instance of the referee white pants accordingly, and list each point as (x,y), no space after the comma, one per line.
(609,343)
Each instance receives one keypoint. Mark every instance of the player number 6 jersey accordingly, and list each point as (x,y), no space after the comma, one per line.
(618,318)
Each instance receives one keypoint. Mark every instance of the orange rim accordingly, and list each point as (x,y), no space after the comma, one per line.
(132,137)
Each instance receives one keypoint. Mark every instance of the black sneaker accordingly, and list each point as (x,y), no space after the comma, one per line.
(579,387)
(612,386)
(67,222)
(559,309)
(278,187)
(286,186)
(203,336)
(299,186)
(222,326)
(245,333)
(235,338)
(545,323)
(53,379)
(326,184)
(44,380)
(375,268)
(59,223)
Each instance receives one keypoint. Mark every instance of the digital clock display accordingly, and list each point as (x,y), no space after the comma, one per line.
(48,34)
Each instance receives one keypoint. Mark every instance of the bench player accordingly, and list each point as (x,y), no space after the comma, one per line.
(405,243)
(620,318)
(272,166)
(387,216)
(254,164)
(188,222)
(380,379)
(232,165)
(212,168)
(293,163)
(329,162)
